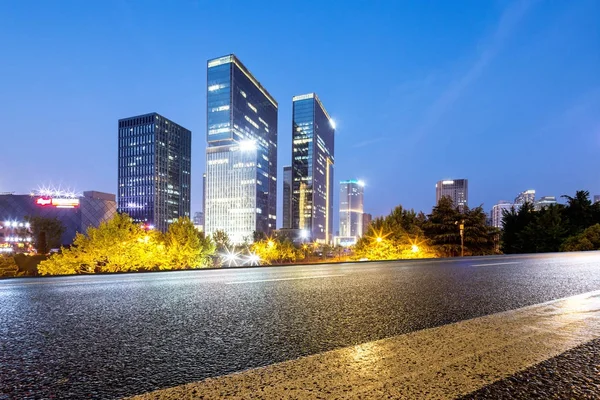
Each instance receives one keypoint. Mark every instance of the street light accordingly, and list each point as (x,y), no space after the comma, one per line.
(379,239)
(462,236)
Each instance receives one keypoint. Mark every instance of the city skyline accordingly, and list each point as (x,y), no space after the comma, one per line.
(427,93)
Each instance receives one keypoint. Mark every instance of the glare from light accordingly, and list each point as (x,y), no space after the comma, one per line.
(151,227)
(231,258)
(27,225)
(361,183)
(247,145)
(271,243)
(14,224)
(415,248)
(332,123)
(304,234)
(379,239)
(253,259)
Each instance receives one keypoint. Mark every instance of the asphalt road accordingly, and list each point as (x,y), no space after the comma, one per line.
(110,336)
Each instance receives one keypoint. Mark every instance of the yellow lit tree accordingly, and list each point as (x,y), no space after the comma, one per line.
(186,247)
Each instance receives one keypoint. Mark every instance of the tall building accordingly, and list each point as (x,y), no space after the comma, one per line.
(457,190)
(312,168)
(596,198)
(526,196)
(154,170)
(287,197)
(498,212)
(241,153)
(544,202)
(351,208)
(198,219)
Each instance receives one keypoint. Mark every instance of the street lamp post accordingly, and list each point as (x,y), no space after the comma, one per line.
(462,236)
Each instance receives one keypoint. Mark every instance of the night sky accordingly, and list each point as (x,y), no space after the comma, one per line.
(504,93)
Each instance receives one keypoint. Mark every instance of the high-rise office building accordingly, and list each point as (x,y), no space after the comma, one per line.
(351,208)
(498,212)
(526,196)
(312,168)
(544,202)
(154,170)
(241,153)
(457,190)
(287,197)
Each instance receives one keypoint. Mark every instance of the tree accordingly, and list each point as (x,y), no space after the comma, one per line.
(396,236)
(186,247)
(579,212)
(46,233)
(589,239)
(275,250)
(117,245)
(221,240)
(441,228)
(514,223)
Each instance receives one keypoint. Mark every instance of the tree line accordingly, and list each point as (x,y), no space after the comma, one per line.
(574,226)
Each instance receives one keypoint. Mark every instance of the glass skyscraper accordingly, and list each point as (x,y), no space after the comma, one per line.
(241,153)
(351,208)
(154,170)
(312,168)
(287,197)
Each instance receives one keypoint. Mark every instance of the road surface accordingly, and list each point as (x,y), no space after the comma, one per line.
(110,336)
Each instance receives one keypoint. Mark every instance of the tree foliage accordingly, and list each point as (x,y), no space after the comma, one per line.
(120,245)
(396,236)
(275,250)
(589,239)
(443,229)
(553,228)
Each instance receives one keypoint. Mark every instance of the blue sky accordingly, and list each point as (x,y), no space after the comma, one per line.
(504,93)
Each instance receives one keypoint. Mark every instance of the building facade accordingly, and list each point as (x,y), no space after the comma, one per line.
(351,208)
(241,153)
(526,196)
(76,213)
(154,170)
(287,197)
(544,202)
(498,212)
(456,189)
(312,168)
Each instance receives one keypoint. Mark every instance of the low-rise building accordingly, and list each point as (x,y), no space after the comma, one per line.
(76,213)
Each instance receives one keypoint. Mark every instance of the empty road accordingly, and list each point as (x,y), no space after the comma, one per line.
(110,336)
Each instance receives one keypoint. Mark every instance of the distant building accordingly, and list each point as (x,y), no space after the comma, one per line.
(351,208)
(526,196)
(312,167)
(241,152)
(154,170)
(596,198)
(203,198)
(366,223)
(498,212)
(287,197)
(456,189)
(198,220)
(545,201)
(76,213)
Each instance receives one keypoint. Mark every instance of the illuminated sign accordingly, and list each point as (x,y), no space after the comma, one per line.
(447,182)
(43,201)
(57,202)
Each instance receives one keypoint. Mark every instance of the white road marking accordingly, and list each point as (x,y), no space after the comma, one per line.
(283,279)
(443,362)
(502,263)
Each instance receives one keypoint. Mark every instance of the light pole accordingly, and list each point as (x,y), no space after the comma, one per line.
(462,236)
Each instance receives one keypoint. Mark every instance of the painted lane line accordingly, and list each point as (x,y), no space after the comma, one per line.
(284,279)
(502,263)
(443,362)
